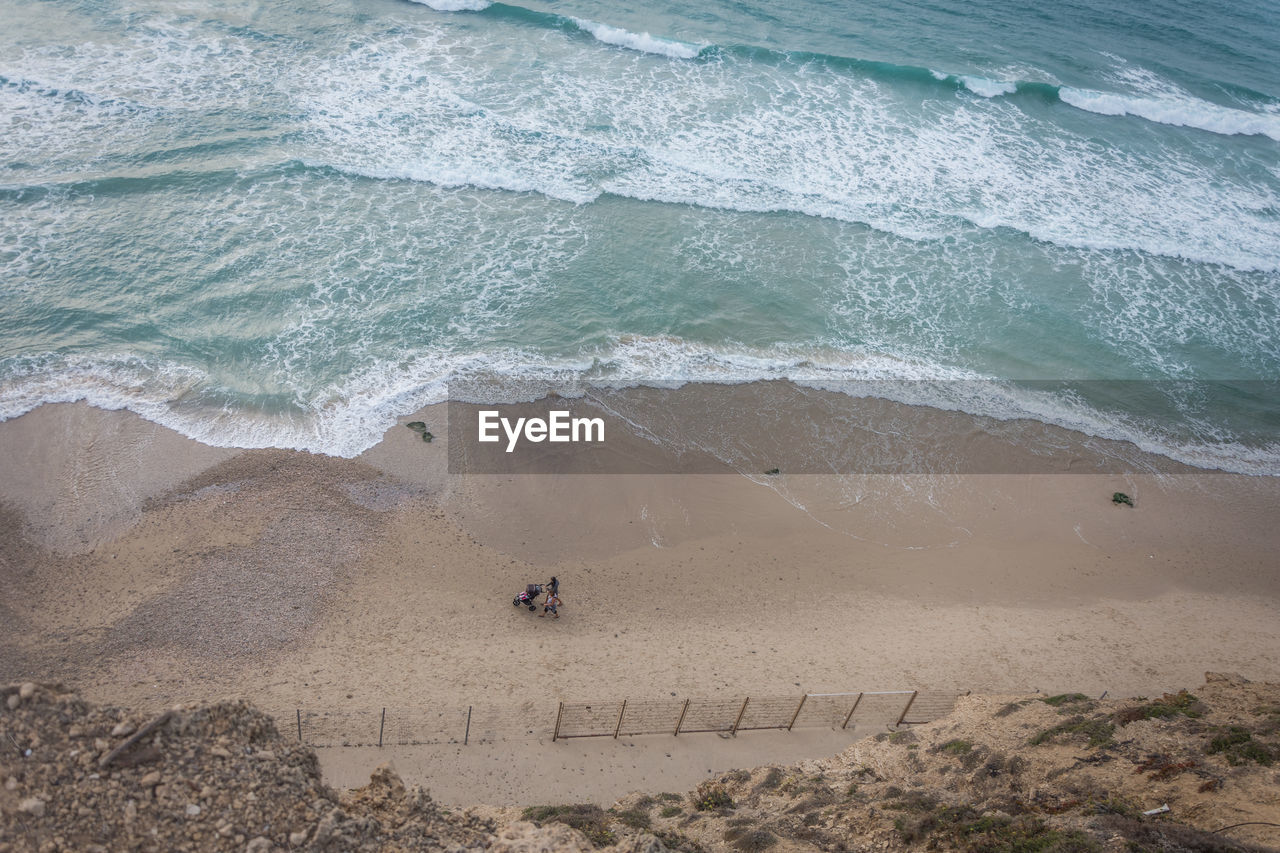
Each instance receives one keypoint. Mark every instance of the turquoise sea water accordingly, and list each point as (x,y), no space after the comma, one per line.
(286,224)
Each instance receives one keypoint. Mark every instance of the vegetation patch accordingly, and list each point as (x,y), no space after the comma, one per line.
(588,818)
(1098,731)
(1065,699)
(670,811)
(710,797)
(1011,707)
(1161,767)
(1148,836)
(957,747)
(1121,498)
(912,801)
(634,817)
(917,828)
(677,841)
(997,765)
(794,786)
(749,840)
(1169,705)
(1112,805)
(961,828)
(1238,745)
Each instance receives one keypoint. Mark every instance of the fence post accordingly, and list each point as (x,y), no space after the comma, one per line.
(299,725)
(467,737)
(914,694)
(381,726)
(797,713)
(680,721)
(739,721)
(559,714)
(618,727)
(851,710)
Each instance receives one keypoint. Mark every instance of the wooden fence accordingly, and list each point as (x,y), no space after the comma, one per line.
(628,717)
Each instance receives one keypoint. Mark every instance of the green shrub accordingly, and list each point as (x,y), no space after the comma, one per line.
(634,818)
(1238,746)
(709,797)
(1112,805)
(1181,703)
(1099,731)
(960,828)
(912,801)
(678,842)
(588,818)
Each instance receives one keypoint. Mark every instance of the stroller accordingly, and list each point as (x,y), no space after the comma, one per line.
(528,598)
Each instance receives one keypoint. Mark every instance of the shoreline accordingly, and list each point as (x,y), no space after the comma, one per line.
(1086,425)
(297,580)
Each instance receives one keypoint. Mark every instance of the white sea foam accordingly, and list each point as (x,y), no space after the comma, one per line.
(638,41)
(412,104)
(1176,111)
(456,5)
(987,88)
(1151,96)
(823,145)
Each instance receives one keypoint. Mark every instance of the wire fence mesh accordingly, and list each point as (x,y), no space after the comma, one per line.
(651,718)
(613,718)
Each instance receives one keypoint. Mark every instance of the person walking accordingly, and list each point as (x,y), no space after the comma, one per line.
(553,602)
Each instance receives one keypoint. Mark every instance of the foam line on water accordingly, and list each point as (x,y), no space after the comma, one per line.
(832,144)
(1177,112)
(987,88)
(1183,111)
(456,5)
(828,145)
(642,42)
(348,420)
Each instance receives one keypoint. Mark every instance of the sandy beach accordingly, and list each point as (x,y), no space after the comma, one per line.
(150,569)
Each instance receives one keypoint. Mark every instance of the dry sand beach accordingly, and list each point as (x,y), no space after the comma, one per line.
(148,569)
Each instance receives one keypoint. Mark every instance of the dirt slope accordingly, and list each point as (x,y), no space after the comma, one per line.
(1035,773)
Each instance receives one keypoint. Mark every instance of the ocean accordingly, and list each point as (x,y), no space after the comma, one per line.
(289,224)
